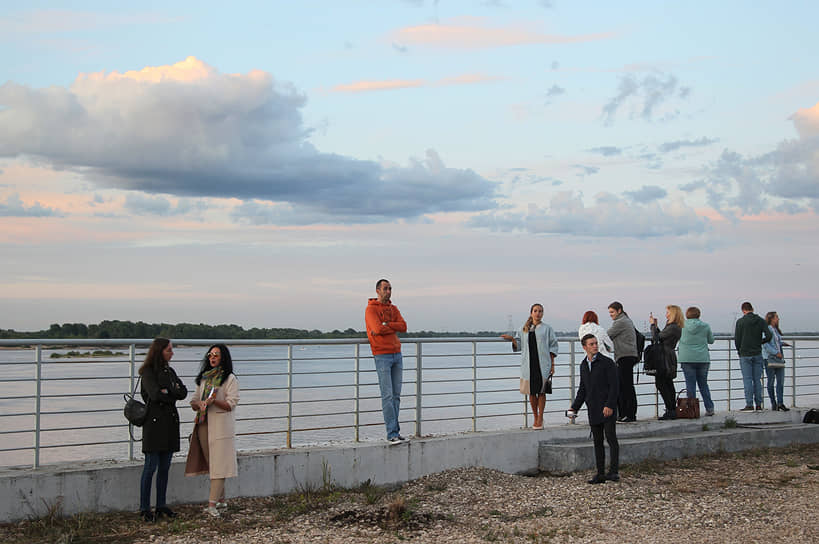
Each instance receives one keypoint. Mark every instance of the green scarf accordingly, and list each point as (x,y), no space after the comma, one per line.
(213,379)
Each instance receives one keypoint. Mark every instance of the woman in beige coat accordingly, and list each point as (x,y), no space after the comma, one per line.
(213,450)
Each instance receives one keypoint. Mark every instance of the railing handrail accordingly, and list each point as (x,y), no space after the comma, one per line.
(425,388)
(300,341)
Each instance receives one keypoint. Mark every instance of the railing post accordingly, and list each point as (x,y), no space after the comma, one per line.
(793,373)
(474,386)
(572,392)
(289,395)
(132,367)
(729,374)
(357,391)
(418,388)
(38,351)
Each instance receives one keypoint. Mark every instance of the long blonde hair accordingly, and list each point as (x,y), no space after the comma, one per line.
(676,315)
(528,324)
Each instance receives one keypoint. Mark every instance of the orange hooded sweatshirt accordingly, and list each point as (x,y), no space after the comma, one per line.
(383,338)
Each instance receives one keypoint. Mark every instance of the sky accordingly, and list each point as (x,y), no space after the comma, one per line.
(264,163)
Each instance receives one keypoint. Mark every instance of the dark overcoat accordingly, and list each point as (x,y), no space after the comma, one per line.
(161,429)
(599,388)
(669,337)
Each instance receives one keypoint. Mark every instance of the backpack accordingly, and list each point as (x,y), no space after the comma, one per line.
(811,416)
(641,343)
(653,359)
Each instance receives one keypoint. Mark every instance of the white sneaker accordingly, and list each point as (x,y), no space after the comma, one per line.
(221,505)
(212,511)
(394,440)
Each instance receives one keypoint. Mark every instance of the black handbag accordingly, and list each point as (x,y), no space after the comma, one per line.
(136,412)
(654,359)
(547,388)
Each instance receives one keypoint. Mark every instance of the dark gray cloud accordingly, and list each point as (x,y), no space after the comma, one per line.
(646,193)
(140,204)
(610,217)
(14,207)
(677,144)
(198,133)
(584,170)
(606,151)
(644,97)
(555,90)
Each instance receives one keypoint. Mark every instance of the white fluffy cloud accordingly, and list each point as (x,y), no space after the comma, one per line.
(188,130)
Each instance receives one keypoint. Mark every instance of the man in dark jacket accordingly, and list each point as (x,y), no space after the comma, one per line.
(750,333)
(599,389)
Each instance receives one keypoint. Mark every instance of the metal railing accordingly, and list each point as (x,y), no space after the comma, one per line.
(70,408)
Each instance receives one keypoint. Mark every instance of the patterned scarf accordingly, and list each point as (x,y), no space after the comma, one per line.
(213,379)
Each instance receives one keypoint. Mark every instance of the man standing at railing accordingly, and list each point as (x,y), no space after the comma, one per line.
(750,333)
(384,321)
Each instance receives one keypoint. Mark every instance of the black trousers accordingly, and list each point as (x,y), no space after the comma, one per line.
(627,399)
(609,427)
(665,385)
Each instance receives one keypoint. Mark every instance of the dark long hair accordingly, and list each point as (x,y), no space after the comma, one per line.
(154,359)
(768,318)
(226,363)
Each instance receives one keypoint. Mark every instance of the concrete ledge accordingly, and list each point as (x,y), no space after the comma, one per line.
(673,441)
(108,486)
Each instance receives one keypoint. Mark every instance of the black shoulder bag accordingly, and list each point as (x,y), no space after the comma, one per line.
(136,412)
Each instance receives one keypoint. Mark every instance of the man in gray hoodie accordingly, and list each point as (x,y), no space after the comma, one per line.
(624,336)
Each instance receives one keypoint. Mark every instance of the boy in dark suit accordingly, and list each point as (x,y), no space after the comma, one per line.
(599,388)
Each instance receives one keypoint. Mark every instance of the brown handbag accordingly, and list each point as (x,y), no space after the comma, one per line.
(687,408)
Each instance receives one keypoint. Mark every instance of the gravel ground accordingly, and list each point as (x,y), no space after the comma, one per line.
(758,496)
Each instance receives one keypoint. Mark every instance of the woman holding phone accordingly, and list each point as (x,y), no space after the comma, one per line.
(213,449)
(538,347)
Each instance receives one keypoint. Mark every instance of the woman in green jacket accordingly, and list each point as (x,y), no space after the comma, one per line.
(694,357)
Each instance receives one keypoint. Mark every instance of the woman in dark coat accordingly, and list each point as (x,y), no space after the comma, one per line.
(669,336)
(161,388)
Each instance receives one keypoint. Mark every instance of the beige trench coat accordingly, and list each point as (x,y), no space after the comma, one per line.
(221,435)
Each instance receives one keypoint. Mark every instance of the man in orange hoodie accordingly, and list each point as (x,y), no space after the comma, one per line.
(383,321)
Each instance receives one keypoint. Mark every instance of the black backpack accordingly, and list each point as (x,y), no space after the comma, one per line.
(811,416)
(641,344)
(654,359)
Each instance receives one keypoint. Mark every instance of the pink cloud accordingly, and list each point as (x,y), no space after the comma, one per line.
(385,85)
(476,33)
(393,84)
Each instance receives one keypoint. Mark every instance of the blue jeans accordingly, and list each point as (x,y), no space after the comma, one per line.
(156,460)
(775,375)
(696,374)
(390,368)
(751,368)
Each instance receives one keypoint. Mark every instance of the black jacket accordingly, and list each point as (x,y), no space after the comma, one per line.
(599,388)
(161,429)
(669,337)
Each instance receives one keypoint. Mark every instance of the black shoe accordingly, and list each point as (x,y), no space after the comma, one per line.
(147,516)
(668,416)
(748,408)
(165,511)
(628,419)
(759,408)
(783,408)
(599,479)
(613,477)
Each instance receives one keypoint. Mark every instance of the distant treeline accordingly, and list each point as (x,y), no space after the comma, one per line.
(140,329)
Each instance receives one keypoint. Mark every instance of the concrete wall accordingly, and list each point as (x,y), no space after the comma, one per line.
(100,487)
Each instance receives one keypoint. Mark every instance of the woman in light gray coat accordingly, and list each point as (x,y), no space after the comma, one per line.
(695,358)
(539,347)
